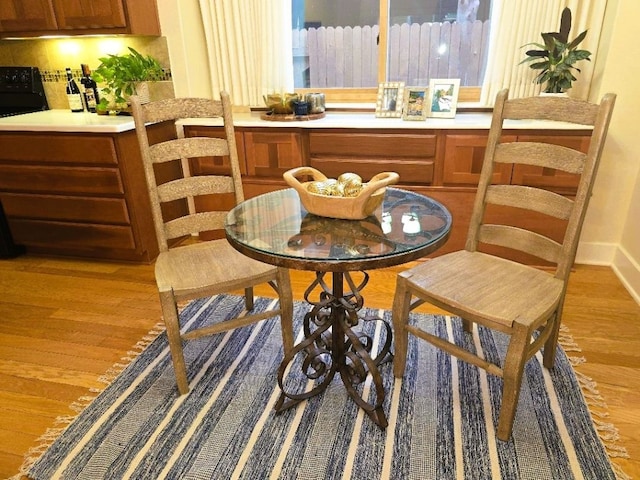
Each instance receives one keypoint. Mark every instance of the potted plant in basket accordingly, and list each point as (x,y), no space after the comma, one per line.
(555,59)
(125,75)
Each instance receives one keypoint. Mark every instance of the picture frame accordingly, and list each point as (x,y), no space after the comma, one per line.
(415,103)
(443,97)
(390,99)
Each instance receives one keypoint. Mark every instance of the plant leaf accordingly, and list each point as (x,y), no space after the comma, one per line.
(565,25)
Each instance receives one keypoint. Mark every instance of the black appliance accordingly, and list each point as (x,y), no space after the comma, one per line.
(21,91)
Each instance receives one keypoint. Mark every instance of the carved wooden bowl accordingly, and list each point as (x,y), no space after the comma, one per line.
(348,208)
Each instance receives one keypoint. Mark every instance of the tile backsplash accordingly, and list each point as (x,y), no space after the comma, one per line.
(53,55)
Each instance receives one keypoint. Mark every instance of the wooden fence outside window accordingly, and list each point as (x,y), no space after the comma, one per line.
(347,57)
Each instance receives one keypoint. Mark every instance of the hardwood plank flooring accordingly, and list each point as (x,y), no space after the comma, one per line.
(64,323)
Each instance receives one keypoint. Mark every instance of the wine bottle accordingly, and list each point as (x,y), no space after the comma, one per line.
(73,93)
(91,96)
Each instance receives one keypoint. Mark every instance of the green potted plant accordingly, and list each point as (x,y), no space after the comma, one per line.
(123,76)
(555,60)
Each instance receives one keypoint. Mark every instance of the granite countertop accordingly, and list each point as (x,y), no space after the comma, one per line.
(66,121)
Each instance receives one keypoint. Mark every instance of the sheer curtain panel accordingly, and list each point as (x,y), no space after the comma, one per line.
(514,23)
(249,47)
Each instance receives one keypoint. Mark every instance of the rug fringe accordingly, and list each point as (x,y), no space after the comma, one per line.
(61,423)
(607,432)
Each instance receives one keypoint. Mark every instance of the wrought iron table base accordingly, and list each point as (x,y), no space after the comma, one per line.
(331,346)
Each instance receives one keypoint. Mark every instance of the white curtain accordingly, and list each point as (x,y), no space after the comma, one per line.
(249,47)
(515,23)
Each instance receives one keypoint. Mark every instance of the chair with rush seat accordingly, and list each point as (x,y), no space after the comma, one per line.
(185,268)
(522,301)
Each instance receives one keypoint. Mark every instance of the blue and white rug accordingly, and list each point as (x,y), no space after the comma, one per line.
(441,417)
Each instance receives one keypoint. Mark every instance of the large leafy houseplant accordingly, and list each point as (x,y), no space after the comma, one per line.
(121,75)
(555,60)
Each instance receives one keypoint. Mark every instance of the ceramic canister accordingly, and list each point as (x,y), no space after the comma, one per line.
(316,102)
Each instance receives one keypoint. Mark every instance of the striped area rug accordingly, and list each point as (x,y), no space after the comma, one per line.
(441,416)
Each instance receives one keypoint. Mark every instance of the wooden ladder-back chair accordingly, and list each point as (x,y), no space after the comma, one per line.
(190,269)
(500,293)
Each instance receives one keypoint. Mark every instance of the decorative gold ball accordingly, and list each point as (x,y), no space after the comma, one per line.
(351,184)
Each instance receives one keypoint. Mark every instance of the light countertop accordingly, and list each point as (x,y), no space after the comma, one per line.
(66,121)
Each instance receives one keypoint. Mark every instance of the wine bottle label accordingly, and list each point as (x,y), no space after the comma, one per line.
(90,97)
(75,102)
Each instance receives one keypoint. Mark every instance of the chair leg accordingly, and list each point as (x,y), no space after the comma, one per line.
(400,317)
(286,308)
(551,345)
(170,316)
(248,298)
(512,378)
(467,325)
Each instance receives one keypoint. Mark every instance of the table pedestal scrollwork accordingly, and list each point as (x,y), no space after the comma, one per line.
(332,346)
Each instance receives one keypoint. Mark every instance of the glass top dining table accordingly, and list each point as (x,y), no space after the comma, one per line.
(275,228)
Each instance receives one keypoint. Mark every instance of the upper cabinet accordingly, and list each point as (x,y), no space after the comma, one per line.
(26,15)
(86,14)
(28,18)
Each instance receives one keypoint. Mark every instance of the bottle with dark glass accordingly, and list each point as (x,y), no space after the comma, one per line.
(73,93)
(91,96)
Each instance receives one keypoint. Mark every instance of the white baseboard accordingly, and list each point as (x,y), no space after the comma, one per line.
(610,254)
(628,271)
(596,253)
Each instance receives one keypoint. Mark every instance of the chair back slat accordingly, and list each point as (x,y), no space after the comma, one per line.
(536,199)
(188,148)
(174,191)
(553,108)
(194,186)
(544,155)
(487,225)
(180,108)
(522,240)
(197,222)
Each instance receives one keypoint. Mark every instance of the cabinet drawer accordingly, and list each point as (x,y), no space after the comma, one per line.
(372,145)
(42,148)
(19,178)
(63,235)
(65,208)
(410,171)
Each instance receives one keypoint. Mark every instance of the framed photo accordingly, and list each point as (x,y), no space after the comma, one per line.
(390,99)
(415,104)
(443,97)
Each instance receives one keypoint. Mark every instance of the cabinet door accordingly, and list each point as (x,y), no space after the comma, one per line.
(20,15)
(271,152)
(548,177)
(79,14)
(463,158)
(215,165)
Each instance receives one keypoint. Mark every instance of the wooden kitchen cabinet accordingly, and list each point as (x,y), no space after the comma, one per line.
(463,158)
(78,17)
(78,194)
(464,154)
(26,15)
(81,14)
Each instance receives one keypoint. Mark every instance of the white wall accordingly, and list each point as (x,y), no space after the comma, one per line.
(611,234)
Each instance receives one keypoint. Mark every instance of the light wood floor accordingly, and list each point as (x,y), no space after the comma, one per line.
(64,323)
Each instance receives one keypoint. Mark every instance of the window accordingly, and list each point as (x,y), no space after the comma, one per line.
(352,46)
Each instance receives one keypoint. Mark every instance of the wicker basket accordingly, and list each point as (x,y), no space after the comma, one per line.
(348,208)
